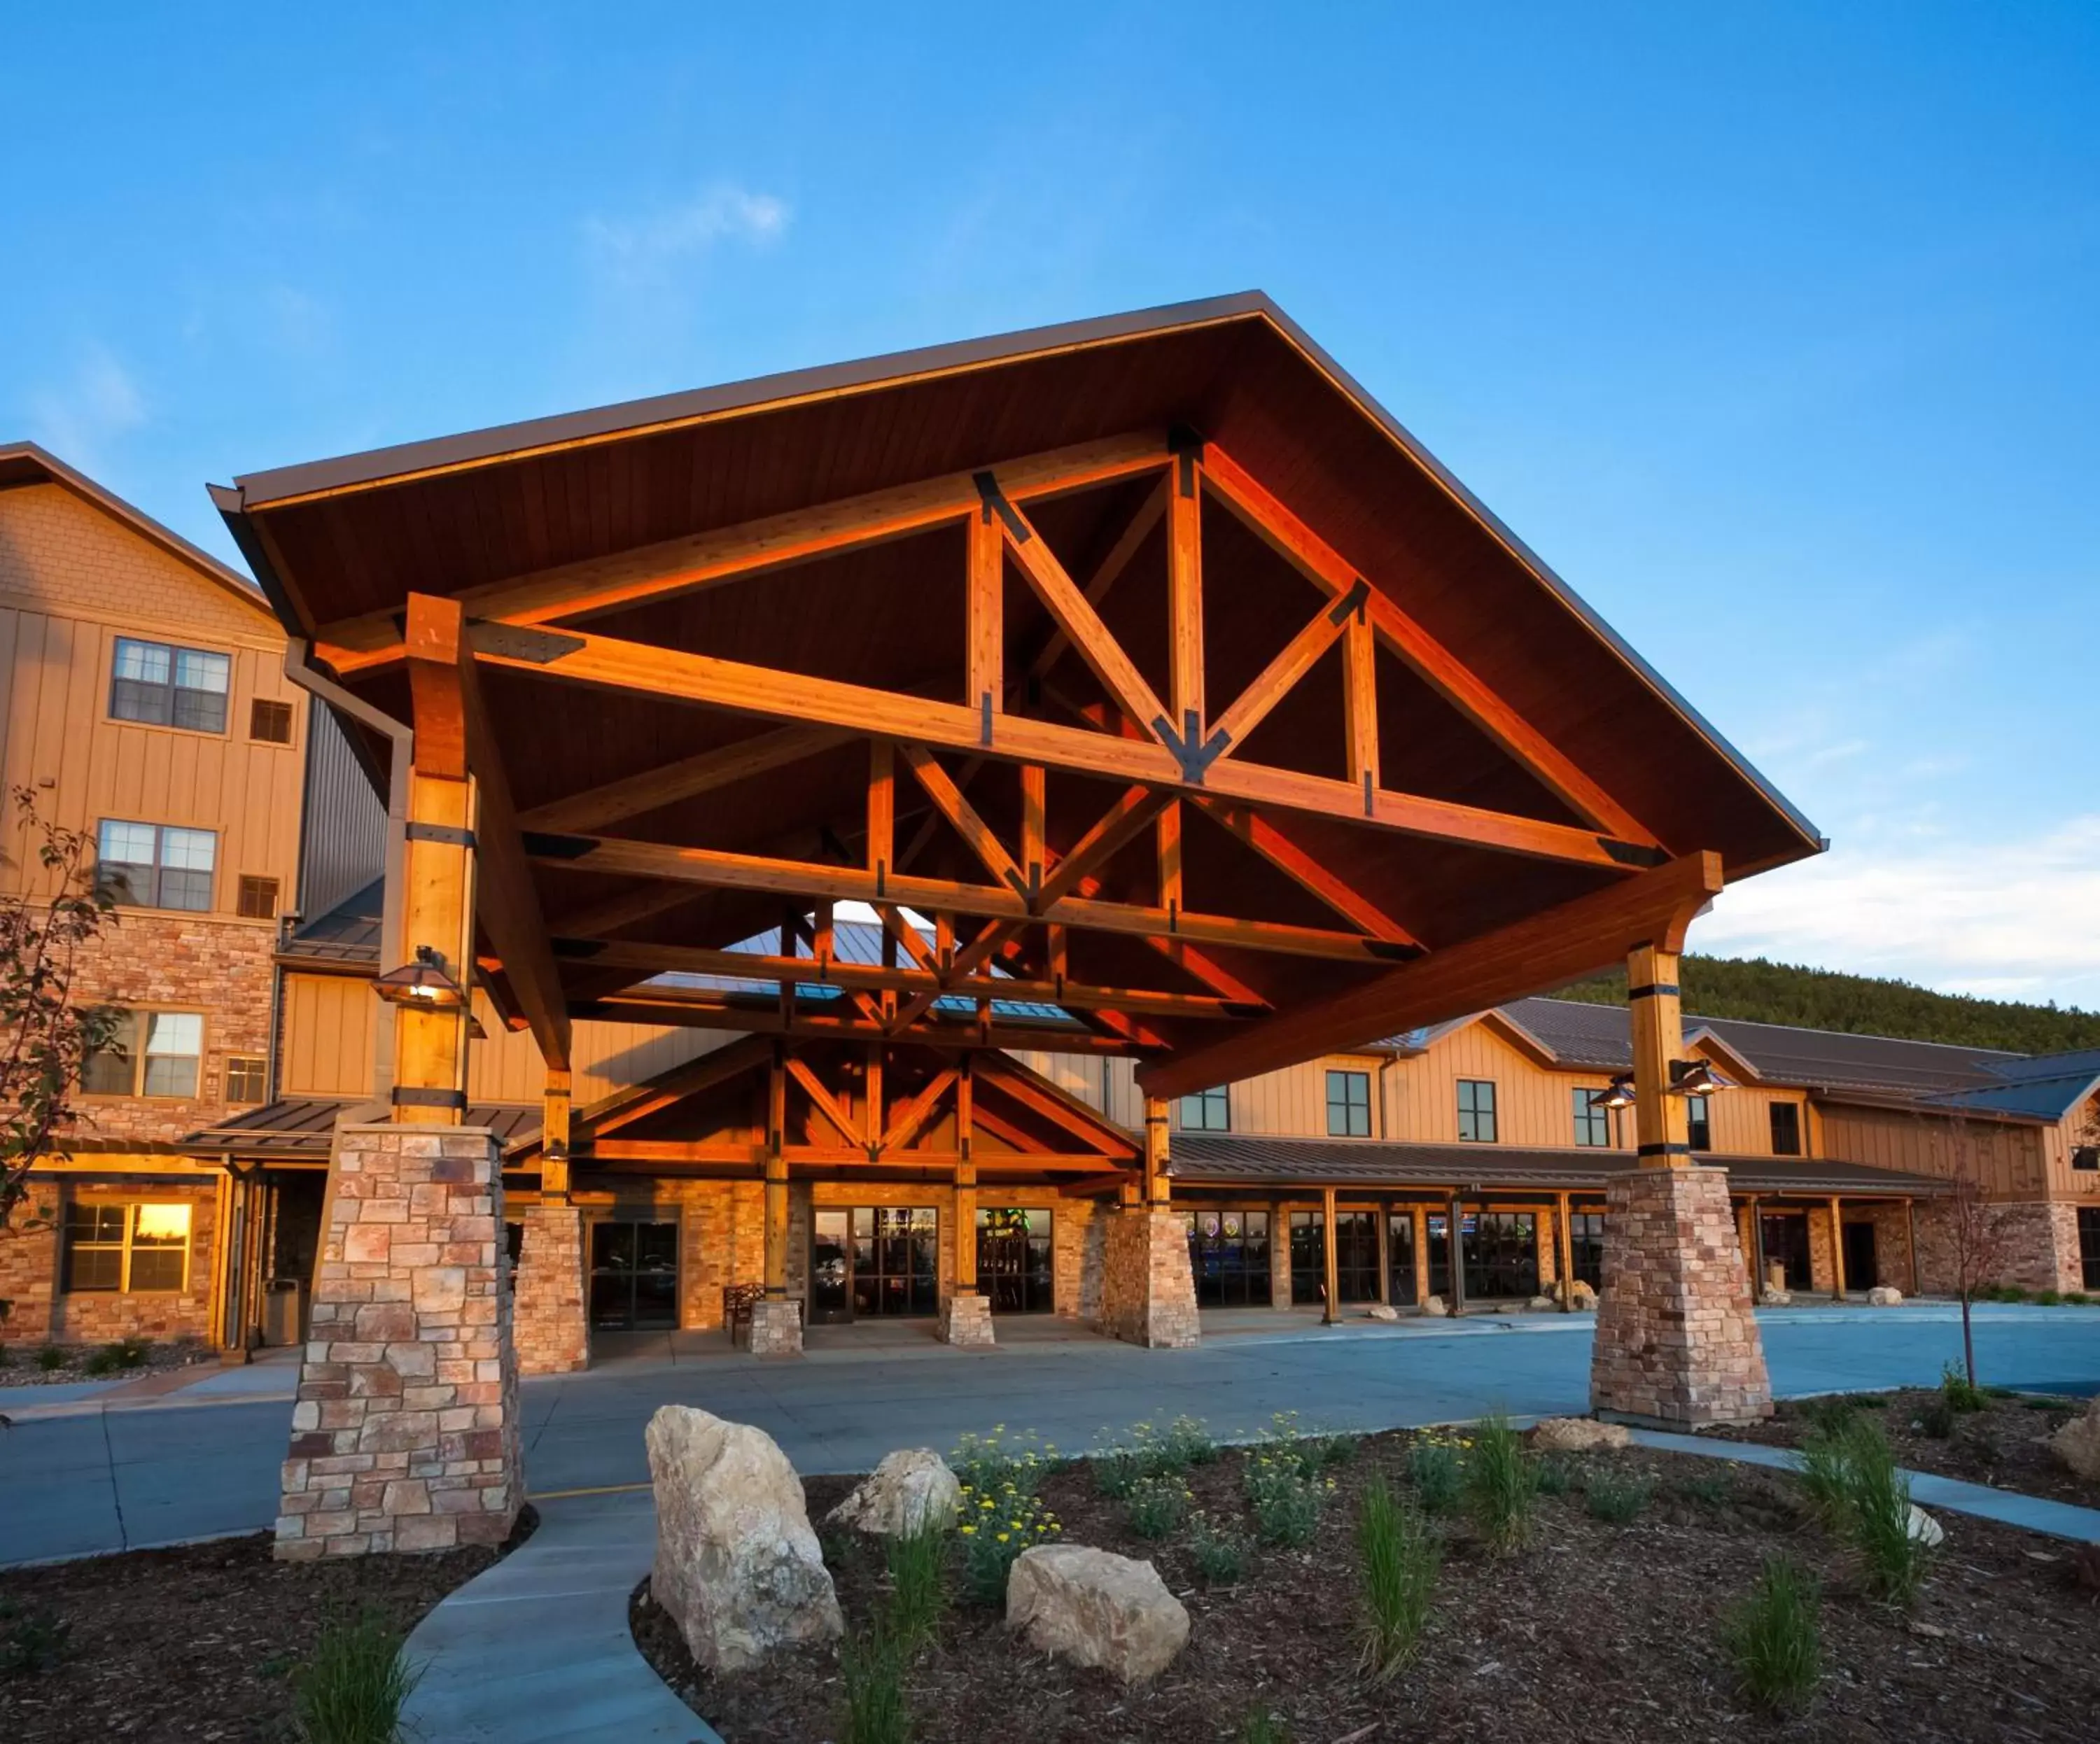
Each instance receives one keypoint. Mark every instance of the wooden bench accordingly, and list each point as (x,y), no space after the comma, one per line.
(738,1300)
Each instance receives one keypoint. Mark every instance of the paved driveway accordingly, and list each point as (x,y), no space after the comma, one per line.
(114,1478)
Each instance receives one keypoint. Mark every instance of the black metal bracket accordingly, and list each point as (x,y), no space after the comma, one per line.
(411,1096)
(450,835)
(996,504)
(1194,757)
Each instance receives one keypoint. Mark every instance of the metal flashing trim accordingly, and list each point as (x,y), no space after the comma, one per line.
(515,641)
(410,1096)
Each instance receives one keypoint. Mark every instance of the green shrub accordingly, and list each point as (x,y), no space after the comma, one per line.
(2049,1298)
(31,1642)
(1285,1498)
(1433,1468)
(1774,1638)
(2004,1293)
(1117,1470)
(1961,1394)
(1556,1477)
(352,1689)
(1502,1483)
(1935,1417)
(994,1529)
(1188,1441)
(1825,1472)
(2077,1298)
(1263,1725)
(1828,1414)
(871,1669)
(1219,1553)
(989,1464)
(1397,1557)
(114,1358)
(50,1357)
(1157,1505)
(1617,1497)
(917,1561)
(1708,1489)
(1853,1481)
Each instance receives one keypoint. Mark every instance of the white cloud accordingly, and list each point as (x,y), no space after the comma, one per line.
(75,419)
(2015,918)
(637,250)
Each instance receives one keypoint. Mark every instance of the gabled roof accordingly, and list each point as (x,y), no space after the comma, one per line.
(24,463)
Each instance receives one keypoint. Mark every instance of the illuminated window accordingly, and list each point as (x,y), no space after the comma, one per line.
(127,1248)
(246,1080)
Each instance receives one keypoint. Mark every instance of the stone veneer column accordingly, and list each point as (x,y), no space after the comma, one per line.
(553,1332)
(404,1436)
(966,1319)
(1148,1291)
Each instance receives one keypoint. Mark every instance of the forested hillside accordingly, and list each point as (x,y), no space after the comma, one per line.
(1778,993)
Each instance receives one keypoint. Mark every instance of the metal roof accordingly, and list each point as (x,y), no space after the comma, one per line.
(349,932)
(295,1128)
(1202,1158)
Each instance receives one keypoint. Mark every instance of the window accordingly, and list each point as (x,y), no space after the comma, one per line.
(1228,1257)
(1476,1111)
(258,898)
(156,866)
(170,687)
(2089,1245)
(1348,1105)
(127,1247)
(270,722)
(1593,1124)
(2086,1156)
(246,1080)
(1207,1112)
(1786,1129)
(153,1054)
(1356,1256)
(1014,1269)
(1585,1246)
(1699,1122)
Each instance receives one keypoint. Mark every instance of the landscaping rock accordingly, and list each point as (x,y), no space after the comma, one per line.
(1578,1435)
(1381,1311)
(1433,1306)
(1881,1296)
(1539,1304)
(2077,1444)
(1926,1530)
(1775,1297)
(737,1566)
(908,1489)
(1580,1293)
(1093,1608)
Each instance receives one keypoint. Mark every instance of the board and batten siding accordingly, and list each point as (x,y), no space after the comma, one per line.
(2009,1159)
(345,821)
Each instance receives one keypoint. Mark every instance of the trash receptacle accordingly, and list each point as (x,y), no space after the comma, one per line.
(280,1311)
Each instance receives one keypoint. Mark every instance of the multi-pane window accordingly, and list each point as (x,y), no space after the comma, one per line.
(170,687)
(1476,1109)
(1699,1122)
(1585,1246)
(2089,1245)
(2085,1157)
(1348,1105)
(155,866)
(1593,1124)
(247,1080)
(258,898)
(1786,1129)
(1209,1111)
(153,1054)
(270,722)
(126,1247)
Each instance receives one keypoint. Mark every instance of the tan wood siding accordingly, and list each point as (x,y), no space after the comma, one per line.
(2009,1158)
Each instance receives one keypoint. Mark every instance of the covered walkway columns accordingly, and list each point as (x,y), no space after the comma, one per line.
(966,1311)
(551,1325)
(1148,1289)
(1677,1341)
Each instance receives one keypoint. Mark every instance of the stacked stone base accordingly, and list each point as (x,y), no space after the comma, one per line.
(404,1434)
(1676,1343)
(553,1331)
(776,1328)
(1148,1292)
(966,1319)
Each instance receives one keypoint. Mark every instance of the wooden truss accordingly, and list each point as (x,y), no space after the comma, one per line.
(1172,755)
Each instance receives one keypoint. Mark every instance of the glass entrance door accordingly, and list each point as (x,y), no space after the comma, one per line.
(1228,1257)
(831,1271)
(1013,1260)
(896,1260)
(1500,1250)
(634,1276)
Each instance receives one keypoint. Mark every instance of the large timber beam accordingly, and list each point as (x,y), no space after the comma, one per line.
(1276,845)
(687,778)
(1535,955)
(678,1007)
(507,904)
(680,565)
(607,662)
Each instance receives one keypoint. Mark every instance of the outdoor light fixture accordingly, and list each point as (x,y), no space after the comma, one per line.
(422,983)
(1620,1095)
(1695,1078)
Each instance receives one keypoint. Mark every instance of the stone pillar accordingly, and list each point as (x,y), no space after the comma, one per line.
(776,1327)
(1147,1291)
(1676,1343)
(404,1436)
(553,1329)
(966,1319)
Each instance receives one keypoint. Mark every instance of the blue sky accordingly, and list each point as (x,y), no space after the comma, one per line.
(1771,326)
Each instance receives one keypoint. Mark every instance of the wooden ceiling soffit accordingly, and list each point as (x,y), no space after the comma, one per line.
(579,590)
(679,1007)
(1544,951)
(688,778)
(1040,1096)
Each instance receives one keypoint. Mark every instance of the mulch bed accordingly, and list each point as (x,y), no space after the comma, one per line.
(2003,1445)
(19,1366)
(200,1641)
(1596,1631)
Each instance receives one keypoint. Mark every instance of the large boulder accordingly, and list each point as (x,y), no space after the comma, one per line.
(1381,1311)
(737,1565)
(2077,1444)
(1884,1296)
(1582,1294)
(1776,1297)
(1433,1306)
(1578,1435)
(1093,1608)
(911,1488)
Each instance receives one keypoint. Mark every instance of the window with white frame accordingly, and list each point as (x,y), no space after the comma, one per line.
(155,866)
(153,1054)
(161,685)
(126,1247)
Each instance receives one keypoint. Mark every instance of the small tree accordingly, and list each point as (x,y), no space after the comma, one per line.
(46,1036)
(1978,1242)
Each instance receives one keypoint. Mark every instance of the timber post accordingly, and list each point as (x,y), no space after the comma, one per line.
(965,1310)
(1564,1251)
(1836,1250)
(1331,1275)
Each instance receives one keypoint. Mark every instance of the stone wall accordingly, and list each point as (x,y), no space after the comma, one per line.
(552,1328)
(1148,1291)
(32,1269)
(1677,1342)
(1822,1268)
(405,1433)
(2041,1240)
